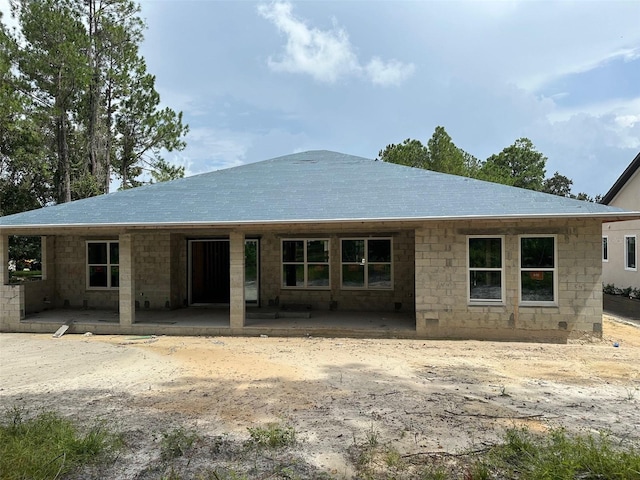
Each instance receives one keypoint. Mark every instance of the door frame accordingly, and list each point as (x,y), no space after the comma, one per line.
(190,241)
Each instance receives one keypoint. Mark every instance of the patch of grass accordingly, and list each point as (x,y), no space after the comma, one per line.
(273,435)
(478,471)
(434,473)
(222,475)
(48,445)
(176,443)
(525,456)
(375,460)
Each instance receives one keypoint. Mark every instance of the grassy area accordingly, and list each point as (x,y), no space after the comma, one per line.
(49,446)
(522,455)
(23,276)
(559,455)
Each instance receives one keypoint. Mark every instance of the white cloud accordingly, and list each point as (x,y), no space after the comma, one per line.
(213,149)
(326,55)
(392,72)
(622,108)
(626,54)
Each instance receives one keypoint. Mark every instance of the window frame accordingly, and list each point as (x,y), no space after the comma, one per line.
(487,301)
(605,248)
(554,270)
(107,265)
(306,263)
(365,263)
(626,253)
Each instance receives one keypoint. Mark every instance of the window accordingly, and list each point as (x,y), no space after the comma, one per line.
(605,249)
(103,264)
(630,253)
(538,270)
(485,269)
(366,263)
(305,263)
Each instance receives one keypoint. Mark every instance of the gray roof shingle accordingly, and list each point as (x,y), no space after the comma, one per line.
(314,186)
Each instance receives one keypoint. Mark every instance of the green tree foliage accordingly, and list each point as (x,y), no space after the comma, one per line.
(440,155)
(558,185)
(518,165)
(144,130)
(77,105)
(24,178)
(411,153)
(444,156)
(53,63)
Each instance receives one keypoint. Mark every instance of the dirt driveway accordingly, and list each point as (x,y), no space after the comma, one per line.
(419,395)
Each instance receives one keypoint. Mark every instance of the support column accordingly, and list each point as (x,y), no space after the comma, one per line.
(127,288)
(426,318)
(4,259)
(47,250)
(237,305)
(12,306)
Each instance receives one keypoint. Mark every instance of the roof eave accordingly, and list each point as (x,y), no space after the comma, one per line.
(604,217)
(621,181)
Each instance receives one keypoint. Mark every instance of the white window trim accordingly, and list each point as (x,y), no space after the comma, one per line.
(626,253)
(305,262)
(476,301)
(527,303)
(605,252)
(365,263)
(108,264)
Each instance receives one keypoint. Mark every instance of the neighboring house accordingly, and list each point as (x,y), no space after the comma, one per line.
(620,239)
(331,234)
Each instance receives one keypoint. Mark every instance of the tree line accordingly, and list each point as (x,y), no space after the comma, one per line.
(78,108)
(518,165)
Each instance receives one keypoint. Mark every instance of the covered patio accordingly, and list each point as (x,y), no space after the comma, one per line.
(214,321)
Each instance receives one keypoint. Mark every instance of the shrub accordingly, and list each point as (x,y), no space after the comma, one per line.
(273,436)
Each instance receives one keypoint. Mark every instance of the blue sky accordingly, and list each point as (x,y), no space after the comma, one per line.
(257,80)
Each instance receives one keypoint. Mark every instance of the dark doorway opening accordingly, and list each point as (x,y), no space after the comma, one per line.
(210,281)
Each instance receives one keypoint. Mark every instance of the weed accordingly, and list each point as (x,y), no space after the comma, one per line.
(171,475)
(176,443)
(222,475)
(478,471)
(393,459)
(373,437)
(434,473)
(272,436)
(558,455)
(631,393)
(49,446)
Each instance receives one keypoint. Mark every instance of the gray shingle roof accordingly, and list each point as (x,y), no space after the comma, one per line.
(315,186)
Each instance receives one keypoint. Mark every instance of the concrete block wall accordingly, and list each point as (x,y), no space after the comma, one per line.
(11,307)
(152,272)
(442,309)
(71,275)
(152,255)
(401,296)
(179,293)
(38,295)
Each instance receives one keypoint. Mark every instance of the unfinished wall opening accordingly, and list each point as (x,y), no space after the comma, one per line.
(25,259)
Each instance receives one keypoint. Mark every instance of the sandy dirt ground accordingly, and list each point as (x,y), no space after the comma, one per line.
(421,396)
